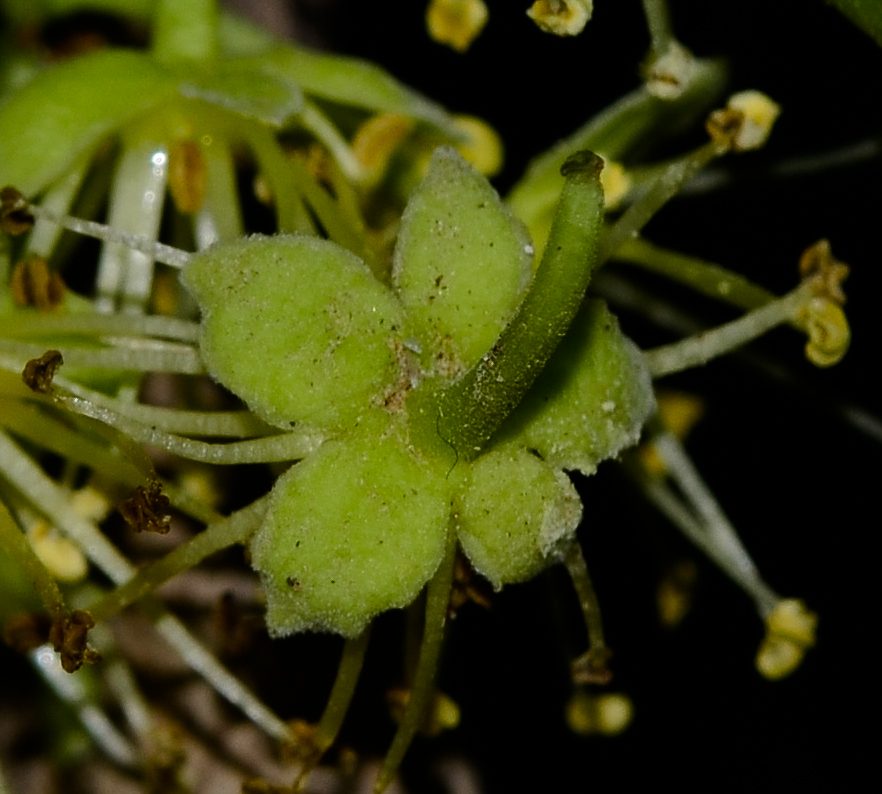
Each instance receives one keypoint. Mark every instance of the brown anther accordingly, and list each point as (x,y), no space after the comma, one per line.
(467,586)
(187,174)
(592,667)
(39,372)
(68,638)
(26,631)
(305,744)
(15,214)
(826,274)
(147,509)
(724,125)
(34,284)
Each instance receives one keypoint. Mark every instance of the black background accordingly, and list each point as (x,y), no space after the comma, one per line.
(798,481)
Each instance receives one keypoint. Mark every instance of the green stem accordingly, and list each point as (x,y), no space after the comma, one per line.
(657,194)
(702,347)
(338,703)
(437,601)
(705,277)
(659,23)
(16,545)
(471,409)
(185,30)
(216,537)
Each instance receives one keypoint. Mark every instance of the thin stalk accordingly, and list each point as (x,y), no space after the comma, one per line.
(16,545)
(321,127)
(591,666)
(701,348)
(705,277)
(220,535)
(73,690)
(661,190)
(133,355)
(125,276)
(219,219)
(291,214)
(53,502)
(331,722)
(58,199)
(658,21)
(437,601)
(28,325)
(269,449)
(703,521)
(204,663)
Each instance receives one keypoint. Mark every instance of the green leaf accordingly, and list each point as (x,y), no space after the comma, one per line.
(462,263)
(298,328)
(591,400)
(357,528)
(68,109)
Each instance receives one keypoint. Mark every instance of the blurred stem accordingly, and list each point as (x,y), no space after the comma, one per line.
(661,190)
(437,602)
(16,545)
(659,22)
(185,30)
(215,537)
(704,277)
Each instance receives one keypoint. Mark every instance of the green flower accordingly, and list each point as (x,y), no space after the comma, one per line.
(428,394)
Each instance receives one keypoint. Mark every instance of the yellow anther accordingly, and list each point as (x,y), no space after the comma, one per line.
(828,332)
(674,595)
(823,318)
(62,557)
(607,714)
(376,141)
(759,112)
(187,176)
(481,146)
(616,183)
(456,23)
(790,632)
(561,17)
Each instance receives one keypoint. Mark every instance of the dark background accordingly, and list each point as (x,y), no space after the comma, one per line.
(798,481)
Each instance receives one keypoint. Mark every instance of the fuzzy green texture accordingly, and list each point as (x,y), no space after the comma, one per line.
(462,263)
(591,400)
(354,530)
(471,409)
(517,514)
(298,328)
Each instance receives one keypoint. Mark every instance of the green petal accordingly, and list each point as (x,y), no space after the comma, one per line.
(462,264)
(298,328)
(356,529)
(350,81)
(591,400)
(517,515)
(67,109)
(247,88)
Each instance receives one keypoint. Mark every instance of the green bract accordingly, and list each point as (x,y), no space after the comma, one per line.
(302,331)
(298,328)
